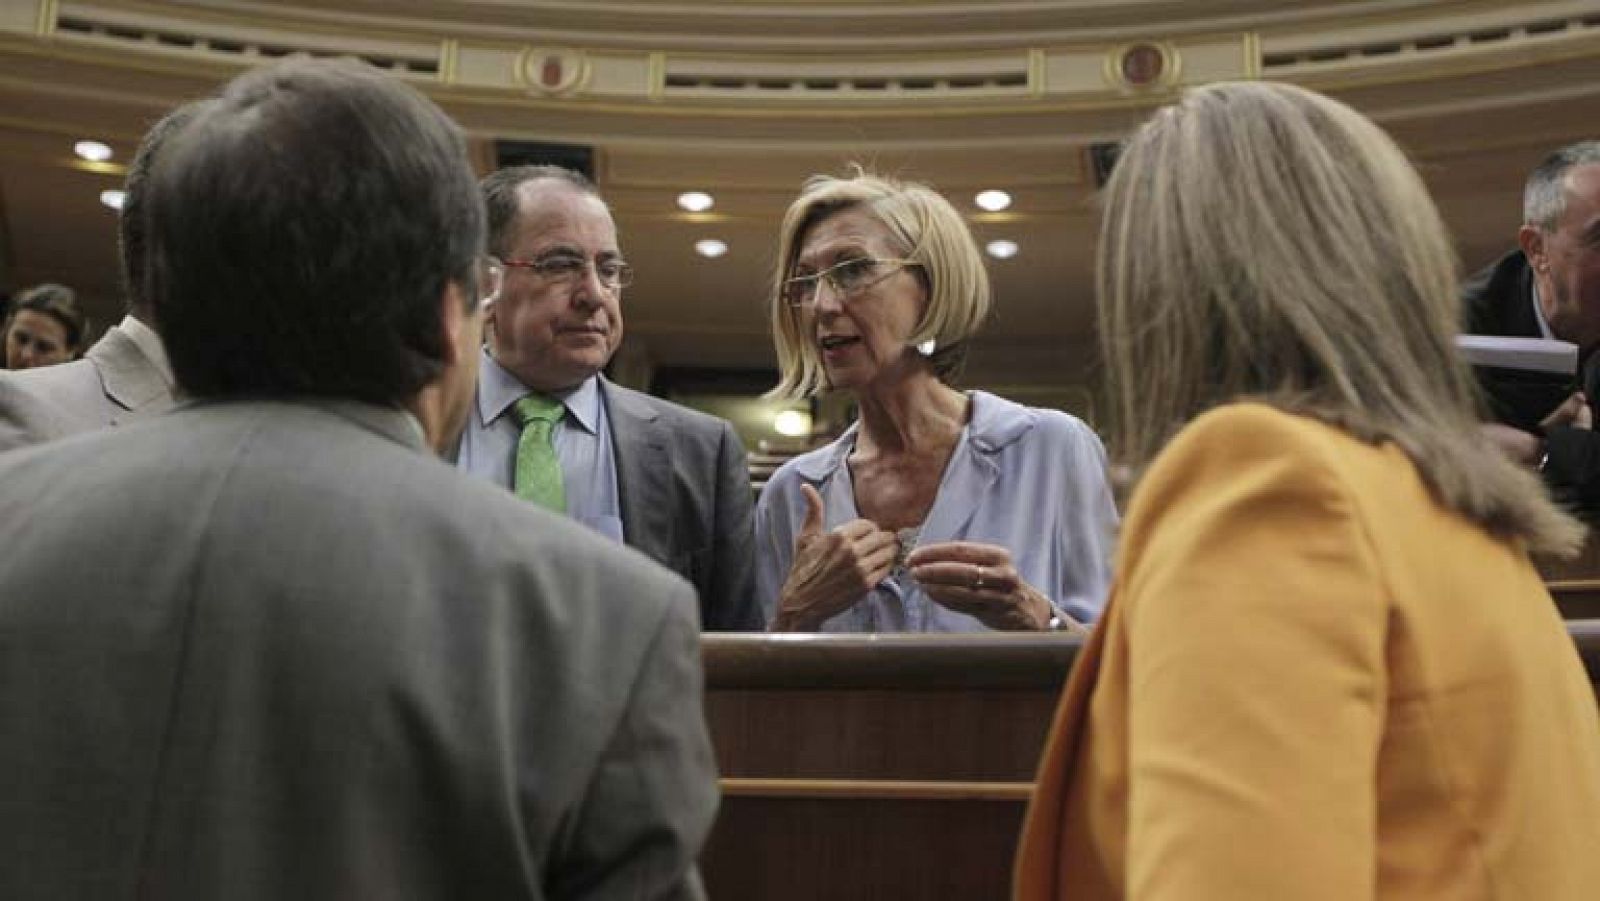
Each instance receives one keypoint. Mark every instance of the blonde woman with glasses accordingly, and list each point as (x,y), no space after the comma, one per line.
(1328,670)
(939,510)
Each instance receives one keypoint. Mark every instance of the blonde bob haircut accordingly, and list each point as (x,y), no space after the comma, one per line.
(1262,242)
(925,228)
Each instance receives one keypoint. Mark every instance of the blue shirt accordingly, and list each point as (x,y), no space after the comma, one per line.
(1032,481)
(582,438)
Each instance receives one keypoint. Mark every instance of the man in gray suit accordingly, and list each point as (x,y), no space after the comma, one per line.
(311,660)
(667,480)
(125,376)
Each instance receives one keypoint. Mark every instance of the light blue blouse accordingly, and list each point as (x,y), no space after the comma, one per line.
(1032,481)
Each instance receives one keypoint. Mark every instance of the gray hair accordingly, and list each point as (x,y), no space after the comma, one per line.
(1544,198)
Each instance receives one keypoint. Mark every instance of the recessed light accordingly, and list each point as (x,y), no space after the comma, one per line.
(695,201)
(711,247)
(1002,250)
(993,201)
(113,199)
(93,151)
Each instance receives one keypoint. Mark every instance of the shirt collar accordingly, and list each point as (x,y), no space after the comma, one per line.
(498,390)
(149,343)
(996,423)
(394,423)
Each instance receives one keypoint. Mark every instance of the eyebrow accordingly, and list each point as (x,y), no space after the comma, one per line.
(833,256)
(567,250)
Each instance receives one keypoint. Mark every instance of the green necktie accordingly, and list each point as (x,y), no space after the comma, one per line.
(538,476)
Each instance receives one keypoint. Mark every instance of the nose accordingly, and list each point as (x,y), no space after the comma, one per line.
(589,289)
(825,298)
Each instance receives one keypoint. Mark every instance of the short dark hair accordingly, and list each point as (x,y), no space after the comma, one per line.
(303,229)
(131,225)
(60,303)
(499,190)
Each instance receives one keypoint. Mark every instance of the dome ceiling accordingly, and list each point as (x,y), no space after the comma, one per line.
(745,99)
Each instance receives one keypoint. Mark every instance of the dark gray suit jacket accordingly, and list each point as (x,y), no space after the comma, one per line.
(309,661)
(114,383)
(1499,301)
(684,487)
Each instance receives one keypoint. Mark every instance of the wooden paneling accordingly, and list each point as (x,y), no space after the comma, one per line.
(868,849)
(886,766)
(874,733)
(1575,583)
(1577,598)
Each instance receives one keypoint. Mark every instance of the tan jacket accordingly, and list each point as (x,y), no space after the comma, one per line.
(114,384)
(1313,682)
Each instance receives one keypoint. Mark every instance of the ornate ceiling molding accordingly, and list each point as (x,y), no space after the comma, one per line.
(1352,44)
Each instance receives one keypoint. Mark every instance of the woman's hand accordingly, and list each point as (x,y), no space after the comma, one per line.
(979,580)
(832,569)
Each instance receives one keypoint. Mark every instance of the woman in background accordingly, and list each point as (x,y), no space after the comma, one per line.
(45,327)
(1328,669)
(939,510)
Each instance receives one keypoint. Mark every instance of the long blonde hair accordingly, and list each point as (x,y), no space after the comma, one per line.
(928,230)
(1264,242)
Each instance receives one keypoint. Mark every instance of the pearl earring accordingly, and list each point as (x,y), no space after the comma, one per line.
(926,347)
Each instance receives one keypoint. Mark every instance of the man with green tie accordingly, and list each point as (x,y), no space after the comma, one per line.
(546,423)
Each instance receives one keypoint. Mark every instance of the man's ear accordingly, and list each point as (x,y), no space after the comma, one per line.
(1531,239)
(452,323)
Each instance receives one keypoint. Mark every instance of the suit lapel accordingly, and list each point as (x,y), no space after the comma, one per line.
(129,378)
(642,470)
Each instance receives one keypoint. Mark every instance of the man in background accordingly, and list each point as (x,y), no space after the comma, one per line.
(1550,288)
(310,660)
(47,328)
(667,480)
(125,375)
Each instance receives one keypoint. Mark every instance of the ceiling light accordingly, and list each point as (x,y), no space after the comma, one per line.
(93,151)
(113,199)
(695,201)
(793,423)
(993,201)
(711,247)
(1002,250)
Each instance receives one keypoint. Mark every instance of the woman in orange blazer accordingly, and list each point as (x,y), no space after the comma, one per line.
(1327,669)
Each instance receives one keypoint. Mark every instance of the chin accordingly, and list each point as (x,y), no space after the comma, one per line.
(843,379)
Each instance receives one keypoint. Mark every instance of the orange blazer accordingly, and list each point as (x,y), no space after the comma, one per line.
(1313,682)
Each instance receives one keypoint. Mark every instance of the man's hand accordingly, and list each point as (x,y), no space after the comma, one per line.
(1527,448)
(1574,412)
(1521,447)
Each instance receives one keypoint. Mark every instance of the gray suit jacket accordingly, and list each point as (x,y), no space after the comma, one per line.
(310,661)
(684,487)
(114,383)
